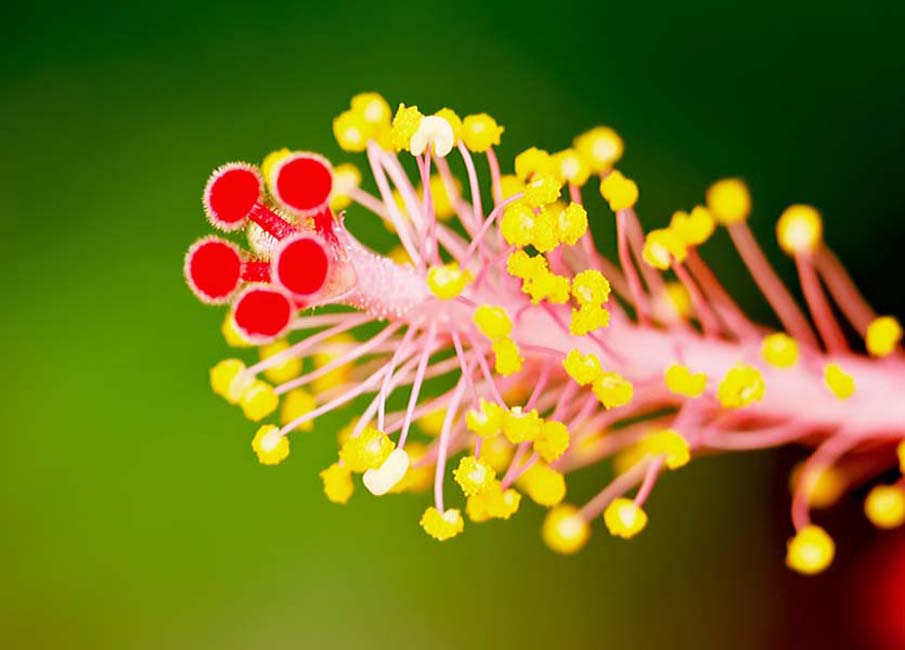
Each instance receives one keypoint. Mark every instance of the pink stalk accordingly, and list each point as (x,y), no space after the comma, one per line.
(416,387)
(822,313)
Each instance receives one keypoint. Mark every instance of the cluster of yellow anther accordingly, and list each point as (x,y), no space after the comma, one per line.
(368,450)
(591,290)
(838,381)
(538,281)
(620,192)
(681,380)
(256,397)
(664,246)
(742,385)
(447,281)
(668,443)
(550,438)
(368,118)
(611,388)
(493,503)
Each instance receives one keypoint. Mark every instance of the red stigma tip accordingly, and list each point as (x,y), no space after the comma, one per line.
(230,194)
(262,313)
(300,265)
(212,269)
(303,182)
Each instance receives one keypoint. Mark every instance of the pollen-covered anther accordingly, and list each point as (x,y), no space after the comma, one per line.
(303,182)
(543,484)
(473,475)
(493,322)
(258,400)
(780,350)
(885,506)
(493,503)
(447,281)
(564,530)
(346,178)
(883,336)
(695,228)
(583,368)
(620,192)
(517,224)
(838,381)
(552,441)
(799,229)
(662,247)
(262,313)
(613,390)
(742,385)
(624,518)
(213,269)
(270,447)
(729,201)
(571,224)
(542,190)
(681,380)
(588,318)
(534,161)
(507,357)
(229,380)
(405,125)
(810,551)
(600,147)
(442,525)
(487,420)
(338,485)
(480,132)
(286,369)
(669,443)
(366,451)
(521,426)
(434,132)
(572,167)
(382,479)
(300,265)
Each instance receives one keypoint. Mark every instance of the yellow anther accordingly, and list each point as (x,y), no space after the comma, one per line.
(547,286)
(571,224)
(510,185)
(533,162)
(493,503)
(824,487)
(270,162)
(367,451)
(742,385)
(543,484)
(231,335)
(810,551)
(346,178)
(624,519)
(840,383)
(454,120)
(564,531)
(442,526)
(434,132)
(521,426)
(552,441)
(338,484)
(284,370)
(662,247)
(799,229)
(447,281)
(517,224)
(405,125)
(228,380)
(693,229)
(601,148)
(885,506)
(270,447)
(779,350)
(590,287)
(587,319)
(480,132)
(544,234)
(473,475)
(669,443)
(486,421)
(613,390)
(498,452)
(620,192)
(682,381)
(507,357)
(883,335)
(372,108)
(572,167)
(492,321)
(351,131)
(542,190)
(583,368)
(296,403)
(729,201)
(258,400)
(521,265)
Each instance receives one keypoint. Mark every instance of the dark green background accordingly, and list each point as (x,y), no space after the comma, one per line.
(134,514)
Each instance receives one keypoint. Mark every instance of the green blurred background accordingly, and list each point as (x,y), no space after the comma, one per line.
(134,513)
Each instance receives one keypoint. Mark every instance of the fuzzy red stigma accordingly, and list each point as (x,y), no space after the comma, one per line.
(213,268)
(262,313)
(230,194)
(303,182)
(300,265)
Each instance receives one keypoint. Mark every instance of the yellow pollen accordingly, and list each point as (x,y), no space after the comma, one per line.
(487,421)
(590,287)
(258,400)
(367,451)
(682,381)
(729,201)
(442,526)
(534,161)
(620,192)
(521,426)
(883,336)
(624,519)
(613,390)
(283,371)
(552,441)
(564,531)
(543,485)
(588,318)
(493,322)
(542,190)
(351,131)
(742,385)
(885,506)
(669,443)
(583,368)
(473,475)
(810,551)
(662,247)
(405,125)
(297,403)
(447,281)
(572,167)
(507,358)
(840,383)
(338,484)
(517,224)
(571,224)
(799,229)
(270,447)
(779,350)
(480,132)
(693,229)
(601,148)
